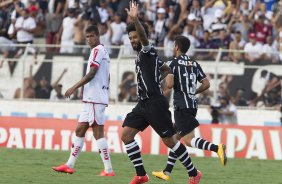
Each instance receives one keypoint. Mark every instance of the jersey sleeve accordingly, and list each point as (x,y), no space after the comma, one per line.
(97,56)
(171,65)
(200,73)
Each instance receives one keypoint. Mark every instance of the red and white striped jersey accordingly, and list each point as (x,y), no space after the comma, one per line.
(97,90)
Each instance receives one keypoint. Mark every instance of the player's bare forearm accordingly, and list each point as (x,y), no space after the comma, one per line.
(141,32)
(204,86)
(88,77)
(59,78)
(165,70)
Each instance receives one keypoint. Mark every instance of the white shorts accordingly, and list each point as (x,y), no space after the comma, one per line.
(92,113)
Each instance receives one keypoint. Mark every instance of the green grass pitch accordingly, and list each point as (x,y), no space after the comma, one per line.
(34,166)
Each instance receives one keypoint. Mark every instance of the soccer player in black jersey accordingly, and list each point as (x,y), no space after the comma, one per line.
(186,72)
(152,108)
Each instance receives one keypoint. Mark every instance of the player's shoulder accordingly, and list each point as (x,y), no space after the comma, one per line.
(99,48)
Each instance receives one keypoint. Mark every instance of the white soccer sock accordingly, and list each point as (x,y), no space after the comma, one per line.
(75,151)
(105,155)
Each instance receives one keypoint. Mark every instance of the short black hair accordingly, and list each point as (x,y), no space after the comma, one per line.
(183,43)
(92,28)
(131,27)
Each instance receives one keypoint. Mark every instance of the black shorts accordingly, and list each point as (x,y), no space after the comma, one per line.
(153,111)
(185,121)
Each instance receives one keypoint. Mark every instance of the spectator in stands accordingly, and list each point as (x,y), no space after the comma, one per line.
(205,43)
(222,90)
(239,99)
(25,27)
(226,112)
(271,94)
(219,24)
(151,8)
(258,10)
(54,19)
(253,50)
(5,50)
(268,51)
(196,9)
(104,11)
(127,80)
(240,22)
(39,18)
(222,42)
(28,91)
(66,32)
(58,95)
(262,29)
(43,90)
(194,43)
(204,98)
(133,97)
(169,39)
(118,29)
(279,45)
(237,44)
(277,16)
(244,7)
(161,27)
(105,35)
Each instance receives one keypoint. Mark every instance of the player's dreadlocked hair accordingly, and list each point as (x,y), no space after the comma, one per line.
(131,27)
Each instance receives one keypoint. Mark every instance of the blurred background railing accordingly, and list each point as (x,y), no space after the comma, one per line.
(46,75)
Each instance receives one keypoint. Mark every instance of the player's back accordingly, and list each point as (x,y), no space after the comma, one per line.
(97,90)
(186,73)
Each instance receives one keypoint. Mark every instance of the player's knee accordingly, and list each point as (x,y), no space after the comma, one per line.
(98,134)
(126,138)
(169,142)
(187,141)
(188,138)
(79,132)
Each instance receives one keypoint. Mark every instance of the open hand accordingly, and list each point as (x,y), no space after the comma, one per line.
(133,9)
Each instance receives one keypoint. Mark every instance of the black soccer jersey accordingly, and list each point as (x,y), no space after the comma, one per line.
(186,73)
(148,73)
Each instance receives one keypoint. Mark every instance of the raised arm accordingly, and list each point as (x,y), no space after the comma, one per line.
(59,78)
(133,14)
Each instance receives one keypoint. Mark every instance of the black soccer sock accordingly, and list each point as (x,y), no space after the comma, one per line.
(201,143)
(134,153)
(182,154)
(170,162)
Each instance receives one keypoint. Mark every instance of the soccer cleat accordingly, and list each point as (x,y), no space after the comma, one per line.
(195,179)
(139,179)
(104,173)
(161,175)
(221,154)
(63,168)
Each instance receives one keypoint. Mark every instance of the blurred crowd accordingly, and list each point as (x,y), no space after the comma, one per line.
(250,25)
(254,26)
